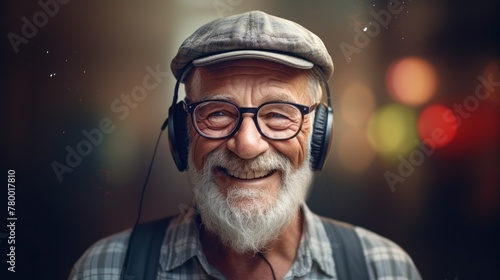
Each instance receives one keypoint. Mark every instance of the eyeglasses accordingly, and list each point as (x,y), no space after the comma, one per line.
(219,119)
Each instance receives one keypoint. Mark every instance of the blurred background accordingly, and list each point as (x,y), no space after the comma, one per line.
(416,95)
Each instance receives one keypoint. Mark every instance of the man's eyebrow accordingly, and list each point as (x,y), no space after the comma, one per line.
(223,96)
(269,97)
(278,96)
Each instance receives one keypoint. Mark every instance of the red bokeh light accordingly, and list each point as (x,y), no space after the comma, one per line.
(437,125)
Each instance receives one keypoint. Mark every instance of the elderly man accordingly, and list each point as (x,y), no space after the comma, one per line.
(250,133)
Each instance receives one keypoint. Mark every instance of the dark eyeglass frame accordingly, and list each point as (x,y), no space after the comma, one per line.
(304,110)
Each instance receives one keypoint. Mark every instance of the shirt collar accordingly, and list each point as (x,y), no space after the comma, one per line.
(182,243)
(315,245)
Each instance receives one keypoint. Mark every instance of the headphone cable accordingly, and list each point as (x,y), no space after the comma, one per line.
(268,263)
(165,124)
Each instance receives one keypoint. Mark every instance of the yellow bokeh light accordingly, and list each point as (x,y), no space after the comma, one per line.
(355,152)
(411,81)
(392,130)
(357,104)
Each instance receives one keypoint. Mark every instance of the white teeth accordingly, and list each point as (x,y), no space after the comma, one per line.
(249,175)
(260,174)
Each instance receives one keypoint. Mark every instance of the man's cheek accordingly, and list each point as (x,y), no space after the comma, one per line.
(195,153)
(292,150)
(201,148)
(199,160)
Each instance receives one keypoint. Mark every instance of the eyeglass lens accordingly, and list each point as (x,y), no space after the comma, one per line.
(216,119)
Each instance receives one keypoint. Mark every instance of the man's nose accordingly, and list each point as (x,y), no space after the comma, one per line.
(247,143)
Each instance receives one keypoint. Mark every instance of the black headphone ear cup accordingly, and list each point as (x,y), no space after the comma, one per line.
(178,135)
(321,136)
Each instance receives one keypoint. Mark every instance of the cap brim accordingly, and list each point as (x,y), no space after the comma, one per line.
(287,60)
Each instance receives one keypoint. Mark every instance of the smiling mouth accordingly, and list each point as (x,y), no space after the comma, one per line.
(246,175)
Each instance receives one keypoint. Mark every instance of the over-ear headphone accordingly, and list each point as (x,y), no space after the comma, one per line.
(320,141)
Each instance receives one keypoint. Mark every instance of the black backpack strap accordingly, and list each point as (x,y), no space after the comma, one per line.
(143,251)
(347,250)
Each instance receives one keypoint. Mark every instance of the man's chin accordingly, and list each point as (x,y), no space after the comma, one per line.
(249,201)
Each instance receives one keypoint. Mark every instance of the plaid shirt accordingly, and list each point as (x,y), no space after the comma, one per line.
(182,255)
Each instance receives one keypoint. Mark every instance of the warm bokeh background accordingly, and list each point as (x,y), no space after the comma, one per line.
(408,107)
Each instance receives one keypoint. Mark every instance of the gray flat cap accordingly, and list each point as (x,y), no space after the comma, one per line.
(257,35)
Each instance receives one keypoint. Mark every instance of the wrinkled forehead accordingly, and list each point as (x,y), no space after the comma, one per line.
(258,69)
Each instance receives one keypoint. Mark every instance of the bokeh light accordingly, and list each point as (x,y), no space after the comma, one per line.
(355,152)
(411,81)
(357,104)
(437,125)
(477,130)
(392,130)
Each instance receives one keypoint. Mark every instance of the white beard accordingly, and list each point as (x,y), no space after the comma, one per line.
(249,219)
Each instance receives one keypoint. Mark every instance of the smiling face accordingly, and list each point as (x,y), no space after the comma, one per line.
(247,187)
